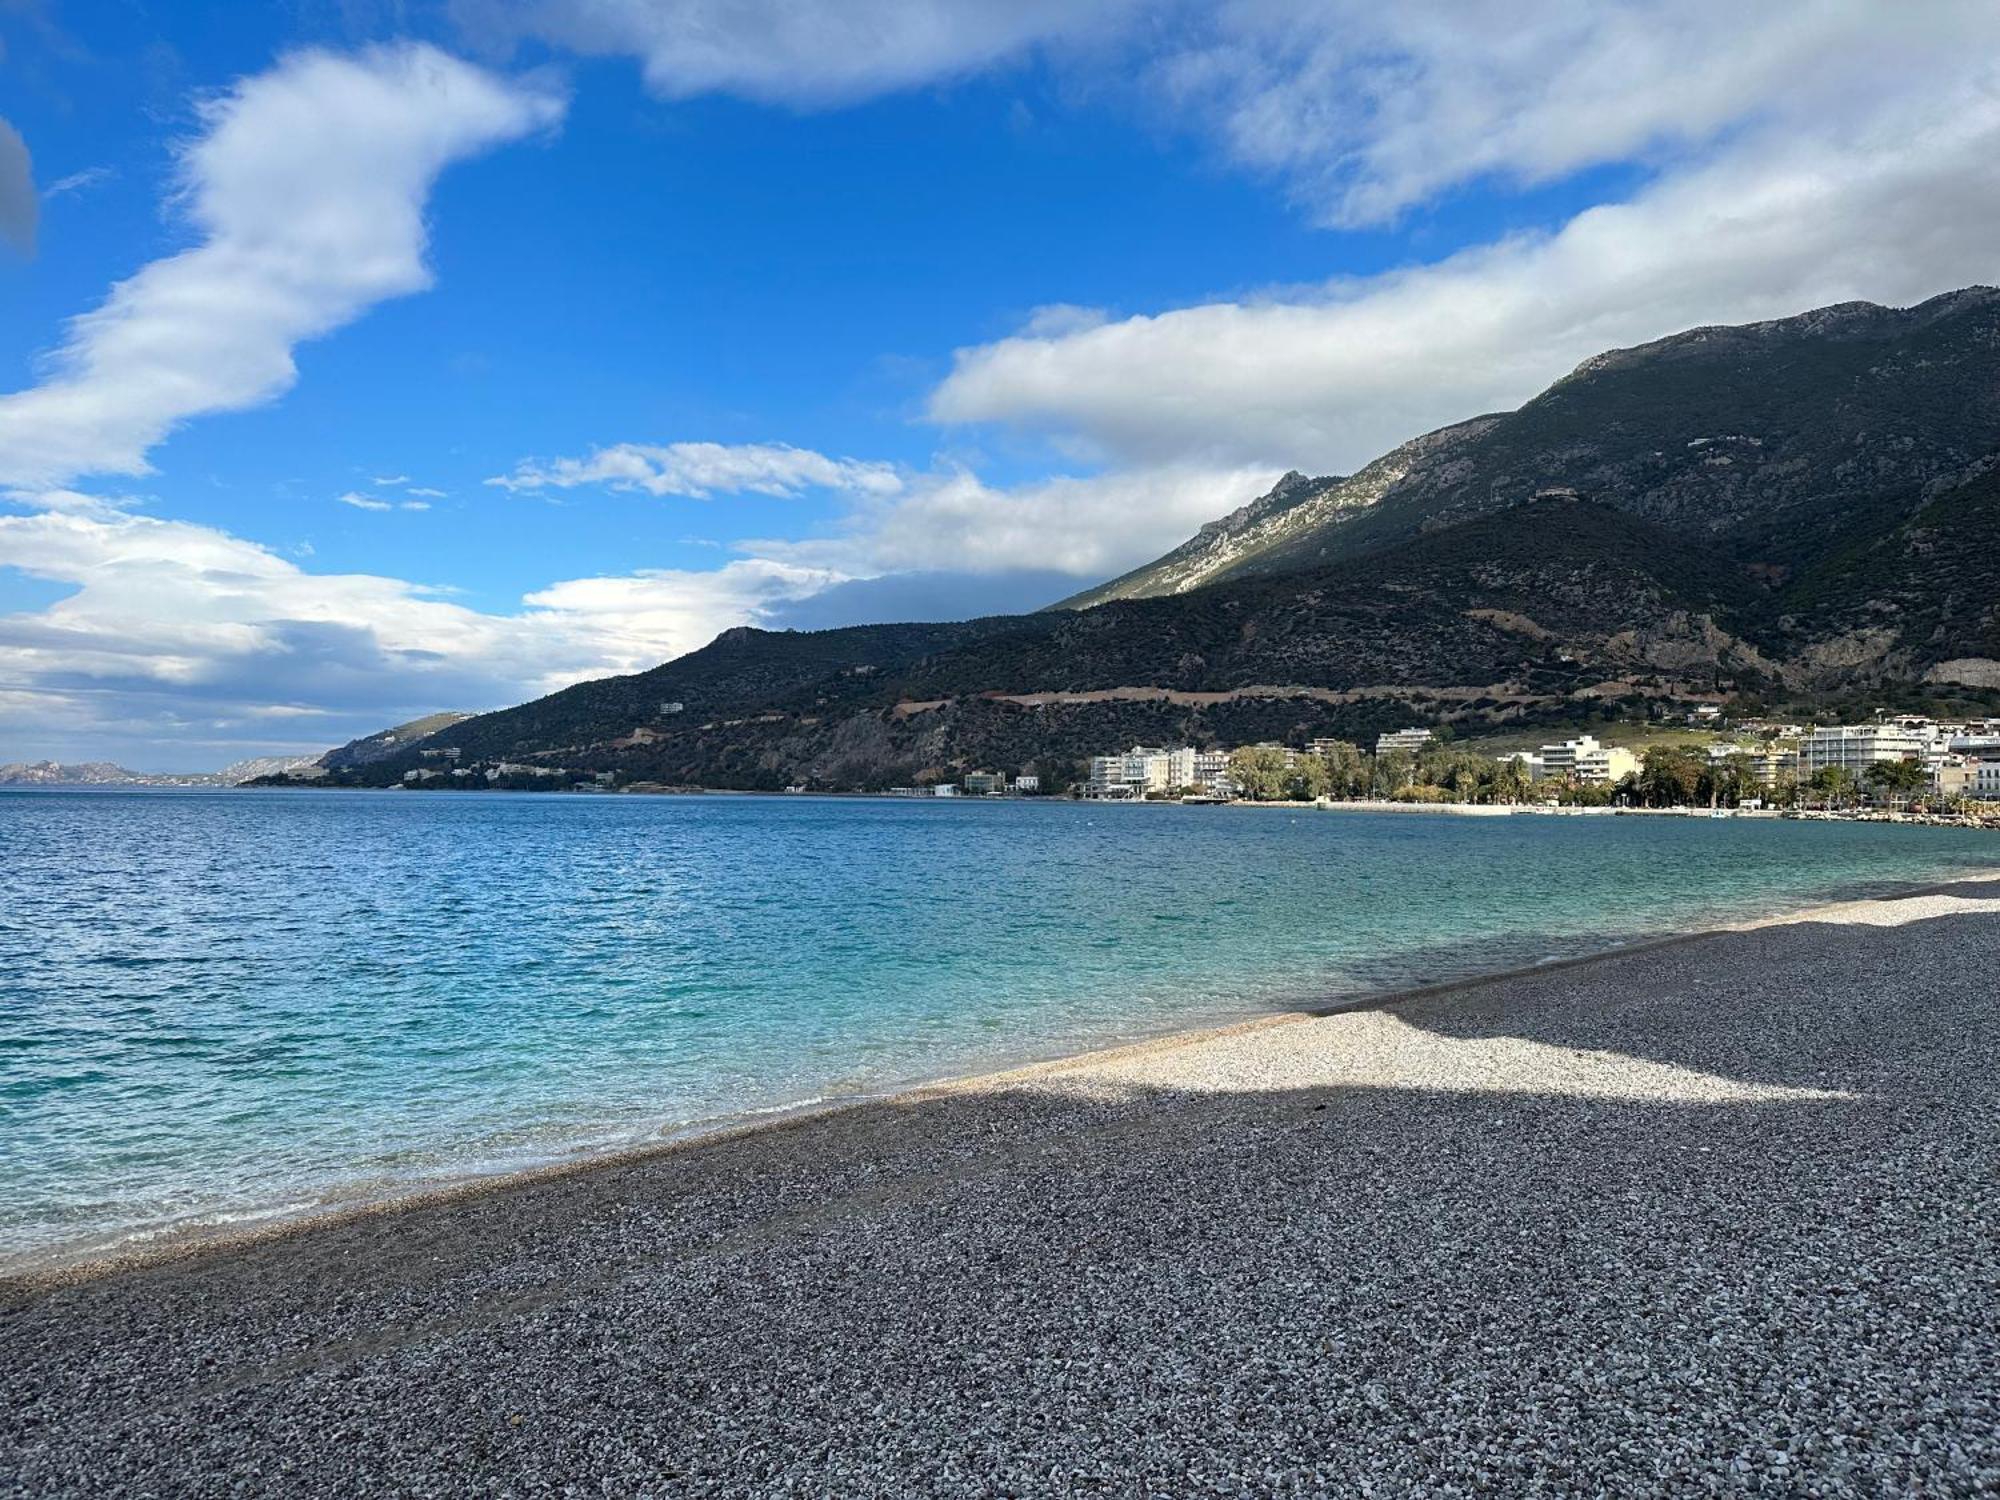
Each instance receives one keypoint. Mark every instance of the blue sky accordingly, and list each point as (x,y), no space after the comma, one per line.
(407,310)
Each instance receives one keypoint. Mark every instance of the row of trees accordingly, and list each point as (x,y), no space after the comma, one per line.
(1668,776)
(1442,773)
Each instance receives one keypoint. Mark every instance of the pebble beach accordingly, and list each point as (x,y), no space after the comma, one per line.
(1711,1216)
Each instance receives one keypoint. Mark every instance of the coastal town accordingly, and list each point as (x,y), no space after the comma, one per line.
(1890,765)
(1897,767)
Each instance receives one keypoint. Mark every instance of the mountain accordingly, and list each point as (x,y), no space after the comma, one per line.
(1271,530)
(1800,513)
(104,773)
(262,765)
(388,742)
(1776,442)
(80,773)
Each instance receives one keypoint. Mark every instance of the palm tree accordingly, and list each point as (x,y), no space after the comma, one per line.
(1510,781)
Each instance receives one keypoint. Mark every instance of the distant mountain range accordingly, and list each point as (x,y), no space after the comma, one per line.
(104,773)
(349,757)
(1802,512)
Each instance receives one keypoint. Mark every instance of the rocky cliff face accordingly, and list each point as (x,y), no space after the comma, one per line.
(1290,527)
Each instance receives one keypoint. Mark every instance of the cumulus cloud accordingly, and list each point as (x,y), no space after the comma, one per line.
(178,634)
(306,188)
(1891,207)
(796,52)
(700,471)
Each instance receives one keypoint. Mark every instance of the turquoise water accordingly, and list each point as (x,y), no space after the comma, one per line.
(216,1006)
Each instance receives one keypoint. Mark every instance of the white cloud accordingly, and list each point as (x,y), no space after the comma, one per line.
(1892,207)
(306,187)
(702,470)
(1088,527)
(1370,109)
(391,481)
(373,502)
(65,500)
(178,634)
(797,52)
(427,492)
(77,182)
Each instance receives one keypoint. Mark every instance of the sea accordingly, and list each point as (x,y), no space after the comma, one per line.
(222,1008)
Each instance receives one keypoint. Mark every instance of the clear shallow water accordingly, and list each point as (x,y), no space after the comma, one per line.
(218,1005)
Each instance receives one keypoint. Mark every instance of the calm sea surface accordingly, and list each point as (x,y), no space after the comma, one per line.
(218,1006)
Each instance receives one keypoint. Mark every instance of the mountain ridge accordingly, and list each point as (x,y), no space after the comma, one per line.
(1794,513)
(1585,433)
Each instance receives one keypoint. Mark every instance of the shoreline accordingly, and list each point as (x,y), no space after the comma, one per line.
(1985,820)
(36,1273)
(1708,1214)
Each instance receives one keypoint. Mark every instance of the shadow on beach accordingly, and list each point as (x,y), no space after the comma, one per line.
(1713,1212)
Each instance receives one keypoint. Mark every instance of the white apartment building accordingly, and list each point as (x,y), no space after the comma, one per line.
(1856,747)
(1211,771)
(1140,770)
(1982,782)
(1143,770)
(1412,740)
(1589,762)
(1027,786)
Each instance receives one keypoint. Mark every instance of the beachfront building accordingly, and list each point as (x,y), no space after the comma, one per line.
(1133,774)
(945,789)
(1855,747)
(1528,761)
(1953,776)
(1027,786)
(1153,770)
(1211,774)
(984,783)
(1412,740)
(1587,762)
(1984,783)
(1766,763)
